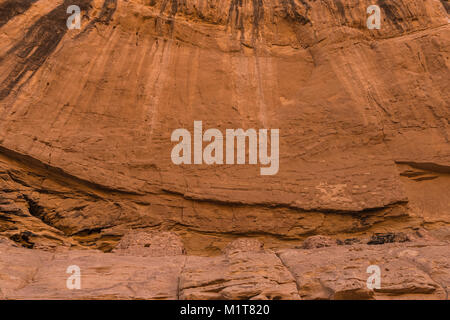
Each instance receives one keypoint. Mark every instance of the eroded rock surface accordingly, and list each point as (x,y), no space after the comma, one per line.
(150,244)
(341,272)
(318,242)
(412,270)
(246,271)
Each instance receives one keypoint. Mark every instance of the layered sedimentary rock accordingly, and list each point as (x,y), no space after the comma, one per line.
(86,118)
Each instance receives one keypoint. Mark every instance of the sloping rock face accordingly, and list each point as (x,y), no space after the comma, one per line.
(86,118)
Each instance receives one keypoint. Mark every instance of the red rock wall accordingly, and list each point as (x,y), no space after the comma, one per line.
(86,118)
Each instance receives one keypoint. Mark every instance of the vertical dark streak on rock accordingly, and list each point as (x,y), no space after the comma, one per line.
(340,7)
(341,10)
(12,8)
(163,6)
(174,8)
(173,12)
(174,4)
(390,11)
(258,15)
(303,19)
(306,5)
(234,10)
(40,41)
(108,9)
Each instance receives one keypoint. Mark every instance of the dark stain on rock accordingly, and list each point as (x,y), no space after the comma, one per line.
(234,11)
(382,238)
(348,242)
(163,6)
(446,5)
(290,7)
(39,42)
(174,6)
(12,8)
(341,10)
(108,9)
(258,15)
(389,10)
(24,239)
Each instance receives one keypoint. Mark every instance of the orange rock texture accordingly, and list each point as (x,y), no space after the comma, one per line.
(86,118)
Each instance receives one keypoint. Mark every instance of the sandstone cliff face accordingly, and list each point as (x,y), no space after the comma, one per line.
(86,118)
